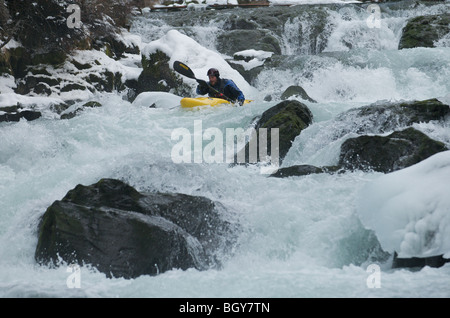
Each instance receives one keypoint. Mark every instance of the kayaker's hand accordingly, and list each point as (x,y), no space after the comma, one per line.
(241,102)
(202,83)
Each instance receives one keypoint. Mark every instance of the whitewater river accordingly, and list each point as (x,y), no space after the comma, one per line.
(301,237)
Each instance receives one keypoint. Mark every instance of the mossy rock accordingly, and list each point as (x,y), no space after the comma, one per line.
(424,31)
(92,103)
(290,117)
(19,60)
(81,66)
(158,76)
(5,66)
(55,58)
(73,86)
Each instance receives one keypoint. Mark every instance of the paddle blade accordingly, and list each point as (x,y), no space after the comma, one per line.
(183,69)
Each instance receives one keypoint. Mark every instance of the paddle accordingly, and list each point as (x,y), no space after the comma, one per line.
(185,70)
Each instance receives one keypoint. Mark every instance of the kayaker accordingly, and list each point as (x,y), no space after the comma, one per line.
(225,88)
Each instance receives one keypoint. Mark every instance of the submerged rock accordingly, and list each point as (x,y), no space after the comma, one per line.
(303,170)
(125,233)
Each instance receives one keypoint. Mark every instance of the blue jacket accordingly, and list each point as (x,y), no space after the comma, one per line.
(224,86)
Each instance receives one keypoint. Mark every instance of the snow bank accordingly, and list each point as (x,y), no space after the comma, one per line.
(12,99)
(409,210)
(158,99)
(182,48)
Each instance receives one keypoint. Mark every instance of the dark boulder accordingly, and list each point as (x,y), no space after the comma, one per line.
(243,39)
(418,262)
(303,170)
(297,91)
(157,76)
(125,233)
(290,117)
(384,116)
(396,151)
(16,113)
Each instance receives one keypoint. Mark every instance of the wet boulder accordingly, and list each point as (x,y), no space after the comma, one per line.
(425,31)
(296,91)
(418,262)
(126,233)
(383,117)
(396,151)
(303,170)
(157,76)
(290,117)
(244,39)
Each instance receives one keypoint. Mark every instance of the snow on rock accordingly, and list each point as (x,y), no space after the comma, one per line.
(157,99)
(180,47)
(409,209)
(251,58)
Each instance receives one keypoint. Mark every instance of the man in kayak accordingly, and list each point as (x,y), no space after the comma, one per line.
(222,87)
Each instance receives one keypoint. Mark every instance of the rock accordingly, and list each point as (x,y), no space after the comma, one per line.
(418,262)
(157,75)
(71,113)
(15,113)
(290,117)
(383,117)
(114,46)
(424,31)
(244,39)
(296,91)
(303,170)
(125,233)
(16,61)
(396,151)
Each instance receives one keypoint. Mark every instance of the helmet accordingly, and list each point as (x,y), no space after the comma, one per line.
(213,71)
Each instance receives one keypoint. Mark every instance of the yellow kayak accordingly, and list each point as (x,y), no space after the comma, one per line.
(189,102)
